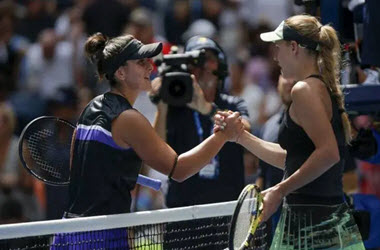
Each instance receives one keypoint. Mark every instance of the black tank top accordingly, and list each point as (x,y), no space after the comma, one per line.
(299,147)
(102,173)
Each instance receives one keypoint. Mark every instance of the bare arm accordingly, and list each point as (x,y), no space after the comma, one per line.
(132,129)
(270,152)
(160,120)
(159,123)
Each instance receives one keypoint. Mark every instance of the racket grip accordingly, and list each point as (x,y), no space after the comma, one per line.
(149,182)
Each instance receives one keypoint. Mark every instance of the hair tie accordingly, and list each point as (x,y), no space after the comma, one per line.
(341,111)
(319,28)
(173,168)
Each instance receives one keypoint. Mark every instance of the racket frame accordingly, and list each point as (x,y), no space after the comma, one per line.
(20,148)
(255,219)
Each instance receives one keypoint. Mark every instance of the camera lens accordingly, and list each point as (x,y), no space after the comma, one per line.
(177,88)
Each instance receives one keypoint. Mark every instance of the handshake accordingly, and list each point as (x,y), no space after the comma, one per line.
(229,124)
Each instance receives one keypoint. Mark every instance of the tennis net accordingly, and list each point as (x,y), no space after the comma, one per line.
(195,227)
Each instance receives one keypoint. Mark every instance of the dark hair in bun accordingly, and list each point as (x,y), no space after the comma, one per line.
(99,48)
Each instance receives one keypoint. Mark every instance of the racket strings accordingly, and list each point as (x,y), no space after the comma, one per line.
(38,146)
(46,149)
(246,218)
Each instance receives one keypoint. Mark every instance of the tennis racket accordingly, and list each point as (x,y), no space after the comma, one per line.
(44,151)
(244,233)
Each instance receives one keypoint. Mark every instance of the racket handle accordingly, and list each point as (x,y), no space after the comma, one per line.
(149,182)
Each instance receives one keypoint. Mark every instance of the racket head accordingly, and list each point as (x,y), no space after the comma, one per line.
(246,219)
(44,149)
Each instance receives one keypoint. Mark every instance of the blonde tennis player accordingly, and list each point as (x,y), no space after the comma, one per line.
(312,138)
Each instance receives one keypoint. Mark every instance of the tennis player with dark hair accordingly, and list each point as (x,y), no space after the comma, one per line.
(112,138)
(312,138)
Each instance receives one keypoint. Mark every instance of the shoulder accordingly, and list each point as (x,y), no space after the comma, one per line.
(93,105)
(100,111)
(132,128)
(310,100)
(111,105)
(89,107)
(308,88)
(132,118)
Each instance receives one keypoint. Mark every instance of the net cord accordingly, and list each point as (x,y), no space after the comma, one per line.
(11,231)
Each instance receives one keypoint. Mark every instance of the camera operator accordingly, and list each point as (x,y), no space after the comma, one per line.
(186,126)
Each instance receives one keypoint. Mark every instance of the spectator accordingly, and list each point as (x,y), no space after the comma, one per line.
(12,48)
(49,65)
(183,127)
(177,19)
(15,182)
(106,16)
(35,20)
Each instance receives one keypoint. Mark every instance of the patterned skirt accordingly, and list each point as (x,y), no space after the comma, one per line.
(306,226)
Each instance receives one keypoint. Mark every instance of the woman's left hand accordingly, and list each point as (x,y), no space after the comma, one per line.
(272,200)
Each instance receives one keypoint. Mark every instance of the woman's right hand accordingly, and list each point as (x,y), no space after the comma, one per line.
(230,124)
(273,198)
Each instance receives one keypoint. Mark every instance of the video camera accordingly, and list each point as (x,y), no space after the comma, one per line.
(177,85)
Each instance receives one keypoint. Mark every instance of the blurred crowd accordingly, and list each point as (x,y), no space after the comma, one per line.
(43,71)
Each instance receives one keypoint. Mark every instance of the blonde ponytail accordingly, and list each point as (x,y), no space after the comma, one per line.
(329,63)
(328,58)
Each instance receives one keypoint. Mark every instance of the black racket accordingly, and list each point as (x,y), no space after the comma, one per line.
(44,150)
(245,230)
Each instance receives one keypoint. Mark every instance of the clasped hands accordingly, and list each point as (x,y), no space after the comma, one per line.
(230,124)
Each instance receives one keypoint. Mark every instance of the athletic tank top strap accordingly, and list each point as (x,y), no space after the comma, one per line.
(310,76)
(320,78)
(315,76)
(340,110)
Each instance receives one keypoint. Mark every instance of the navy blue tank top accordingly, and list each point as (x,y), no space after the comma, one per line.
(102,173)
(299,147)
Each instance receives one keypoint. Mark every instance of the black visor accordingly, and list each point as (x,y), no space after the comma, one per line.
(132,51)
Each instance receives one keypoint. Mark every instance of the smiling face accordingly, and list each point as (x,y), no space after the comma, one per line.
(136,74)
